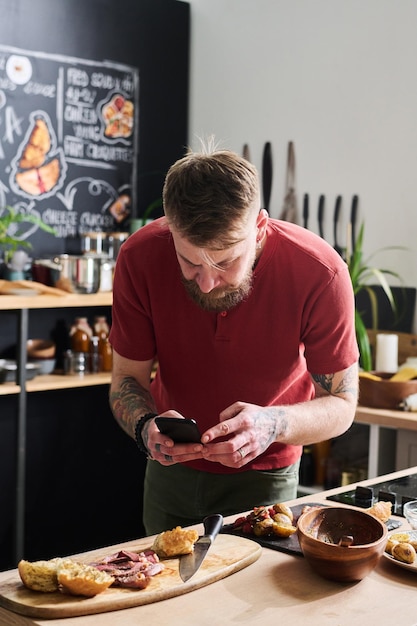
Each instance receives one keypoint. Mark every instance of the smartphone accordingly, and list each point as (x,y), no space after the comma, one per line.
(180,430)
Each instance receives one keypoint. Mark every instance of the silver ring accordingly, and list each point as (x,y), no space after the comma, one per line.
(158,447)
(168,457)
(242,453)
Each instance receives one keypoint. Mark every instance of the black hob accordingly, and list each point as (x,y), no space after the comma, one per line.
(397,491)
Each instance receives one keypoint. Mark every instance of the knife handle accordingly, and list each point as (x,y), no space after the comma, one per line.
(353,216)
(320,215)
(212,525)
(306,210)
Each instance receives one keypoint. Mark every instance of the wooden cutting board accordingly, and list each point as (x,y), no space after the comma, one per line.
(227,555)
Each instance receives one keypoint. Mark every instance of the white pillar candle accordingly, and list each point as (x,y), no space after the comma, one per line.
(386,353)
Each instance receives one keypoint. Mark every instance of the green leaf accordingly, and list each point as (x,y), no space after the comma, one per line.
(9,216)
(361,273)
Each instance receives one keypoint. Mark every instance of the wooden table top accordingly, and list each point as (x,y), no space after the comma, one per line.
(278,588)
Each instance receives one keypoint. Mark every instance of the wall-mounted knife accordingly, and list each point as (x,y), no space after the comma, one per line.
(246,152)
(320,216)
(267,174)
(305,210)
(353,217)
(336,216)
(190,563)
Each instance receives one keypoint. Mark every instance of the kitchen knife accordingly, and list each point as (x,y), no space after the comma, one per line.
(246,152)
(336,216)
(305,210)
(353,216)
(267,174)
(320,215)
(190,563)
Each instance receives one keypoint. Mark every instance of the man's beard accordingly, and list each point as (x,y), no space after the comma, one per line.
(220,298)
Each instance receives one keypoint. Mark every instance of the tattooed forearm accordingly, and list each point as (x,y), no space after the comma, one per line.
(129,403)
(348,384)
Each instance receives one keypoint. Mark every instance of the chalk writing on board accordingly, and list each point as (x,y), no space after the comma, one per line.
(68,138)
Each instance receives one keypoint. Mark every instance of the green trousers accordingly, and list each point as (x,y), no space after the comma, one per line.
(180,496)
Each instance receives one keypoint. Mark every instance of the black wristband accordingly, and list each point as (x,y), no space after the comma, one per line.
(138,431)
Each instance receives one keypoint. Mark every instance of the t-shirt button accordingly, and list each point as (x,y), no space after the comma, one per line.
(223,313)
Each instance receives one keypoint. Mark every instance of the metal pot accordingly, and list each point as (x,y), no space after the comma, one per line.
(79,274)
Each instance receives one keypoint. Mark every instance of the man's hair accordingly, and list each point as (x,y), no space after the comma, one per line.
(209,197)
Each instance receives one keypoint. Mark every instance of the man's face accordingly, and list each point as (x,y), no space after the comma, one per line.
(217,280)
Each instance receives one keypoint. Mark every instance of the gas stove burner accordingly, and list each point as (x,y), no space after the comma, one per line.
(397,491)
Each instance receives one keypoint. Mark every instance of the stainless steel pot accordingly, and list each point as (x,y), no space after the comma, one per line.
(79,274)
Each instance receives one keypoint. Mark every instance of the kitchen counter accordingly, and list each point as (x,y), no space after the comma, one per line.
(382,418)
(277,588)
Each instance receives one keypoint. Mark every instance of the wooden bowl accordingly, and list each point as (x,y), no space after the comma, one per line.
(320,531)
(40,349)
(384,394)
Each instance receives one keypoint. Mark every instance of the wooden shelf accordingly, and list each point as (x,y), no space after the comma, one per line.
(388,418)
(21,305)
(51,382)
(44,301)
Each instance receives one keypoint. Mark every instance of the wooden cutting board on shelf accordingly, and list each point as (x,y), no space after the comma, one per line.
(227,555)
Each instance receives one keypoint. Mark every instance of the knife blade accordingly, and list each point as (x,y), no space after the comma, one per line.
(190,563)
(246,152)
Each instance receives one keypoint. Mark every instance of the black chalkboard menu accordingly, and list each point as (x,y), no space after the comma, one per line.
(93,111)
(70,129)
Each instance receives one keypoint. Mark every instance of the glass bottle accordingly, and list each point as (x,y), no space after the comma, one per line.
(106,354)
(80,335)
(100,327)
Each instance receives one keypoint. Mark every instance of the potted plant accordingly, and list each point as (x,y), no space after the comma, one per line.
(361,273)
(10,242)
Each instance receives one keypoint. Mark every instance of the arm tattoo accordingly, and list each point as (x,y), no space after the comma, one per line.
(347,385)
(130,403)
(324,380)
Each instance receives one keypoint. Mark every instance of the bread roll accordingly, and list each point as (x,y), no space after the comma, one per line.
(82,580)
(175,542)
(40,575)
(63,574)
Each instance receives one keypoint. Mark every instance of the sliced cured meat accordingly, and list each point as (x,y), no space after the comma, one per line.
(130,569)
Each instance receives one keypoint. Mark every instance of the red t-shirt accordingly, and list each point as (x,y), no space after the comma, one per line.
(298,318)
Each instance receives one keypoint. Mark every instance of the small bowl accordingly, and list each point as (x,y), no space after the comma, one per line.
(8,371)
(40,349)
(321,532)
(46,366)
(410,513)
(384,394)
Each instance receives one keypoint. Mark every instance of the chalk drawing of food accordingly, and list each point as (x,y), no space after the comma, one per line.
(118,116)
(39,167)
